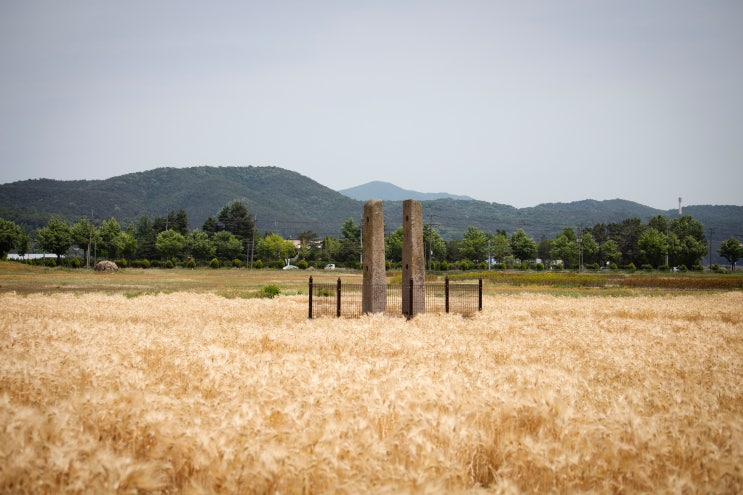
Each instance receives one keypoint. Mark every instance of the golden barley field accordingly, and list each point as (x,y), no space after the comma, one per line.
(198,393)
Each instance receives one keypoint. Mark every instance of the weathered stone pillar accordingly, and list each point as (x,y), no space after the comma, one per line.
(413,259)
(374,283)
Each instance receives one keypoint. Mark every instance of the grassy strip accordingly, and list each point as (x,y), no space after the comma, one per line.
(687,281)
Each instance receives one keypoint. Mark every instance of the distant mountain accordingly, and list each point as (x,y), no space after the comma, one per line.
(390,192)
(283,201)
(288,203)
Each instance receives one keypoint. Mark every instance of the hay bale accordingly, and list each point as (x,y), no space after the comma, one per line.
(106,266)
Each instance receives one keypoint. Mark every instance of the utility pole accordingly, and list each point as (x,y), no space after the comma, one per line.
(490,256)
(90,240)
(430,241)
(710,248)
(252,242)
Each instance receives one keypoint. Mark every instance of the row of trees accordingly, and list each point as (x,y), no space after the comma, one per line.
(232,235)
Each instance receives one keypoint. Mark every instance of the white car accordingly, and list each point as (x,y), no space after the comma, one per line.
(290,267)
(330,266)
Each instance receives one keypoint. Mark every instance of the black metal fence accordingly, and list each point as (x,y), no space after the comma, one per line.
(344,299)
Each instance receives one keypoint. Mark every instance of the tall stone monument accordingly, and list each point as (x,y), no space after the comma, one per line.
(413,259)
(374,282)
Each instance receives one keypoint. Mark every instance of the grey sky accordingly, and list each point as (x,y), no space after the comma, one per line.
(520,102)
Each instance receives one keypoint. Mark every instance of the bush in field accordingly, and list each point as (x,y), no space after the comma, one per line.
(663,268)
(613,266)
(697,268)
(191,263)
(214,263)
(465,265)
(303,264)
(270,291)
(236,263)
(169,264)
(143,263)
(631,268)
(73,262)
(258,264)
(647,267)
(539,266)
(444,266)
(682,268)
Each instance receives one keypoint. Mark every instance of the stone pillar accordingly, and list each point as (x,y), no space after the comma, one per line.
(374,283)
(413,259)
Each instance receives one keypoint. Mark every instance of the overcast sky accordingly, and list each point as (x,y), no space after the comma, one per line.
(515,102)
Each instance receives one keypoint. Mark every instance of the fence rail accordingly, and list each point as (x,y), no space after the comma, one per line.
(345,299)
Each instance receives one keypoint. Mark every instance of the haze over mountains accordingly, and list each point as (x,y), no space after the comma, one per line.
(390,192)
(289,203)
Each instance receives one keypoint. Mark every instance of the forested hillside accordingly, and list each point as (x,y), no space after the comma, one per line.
(281,200)
(288,203)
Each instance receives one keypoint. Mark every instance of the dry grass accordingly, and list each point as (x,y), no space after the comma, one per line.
(195,393)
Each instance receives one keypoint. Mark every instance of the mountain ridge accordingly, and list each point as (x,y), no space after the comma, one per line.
(288,203)
(386,191)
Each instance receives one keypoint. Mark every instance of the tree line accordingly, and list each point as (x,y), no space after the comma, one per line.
(231,238)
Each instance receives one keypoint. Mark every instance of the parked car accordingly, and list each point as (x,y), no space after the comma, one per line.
(290,267)
(330,266)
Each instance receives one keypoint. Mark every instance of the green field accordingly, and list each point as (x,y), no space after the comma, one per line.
(24,279)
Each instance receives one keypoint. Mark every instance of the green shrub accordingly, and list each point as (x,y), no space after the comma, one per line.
(73,262)
(631,267)
(302,264)
(214,263)
(258,264)
(444,266)
(270,291)
(682,268)
(697,268)
(143,263)
(647,267)
(613,266)
(236,263)
(121,263)
(169,264)
(191,263)
(539,266)
(663,268)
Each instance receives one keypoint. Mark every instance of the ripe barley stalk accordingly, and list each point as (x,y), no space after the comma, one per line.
(197,393)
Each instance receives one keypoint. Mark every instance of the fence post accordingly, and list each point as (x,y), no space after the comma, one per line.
(479,295)
(446,293)
(338,299)
(310,310)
